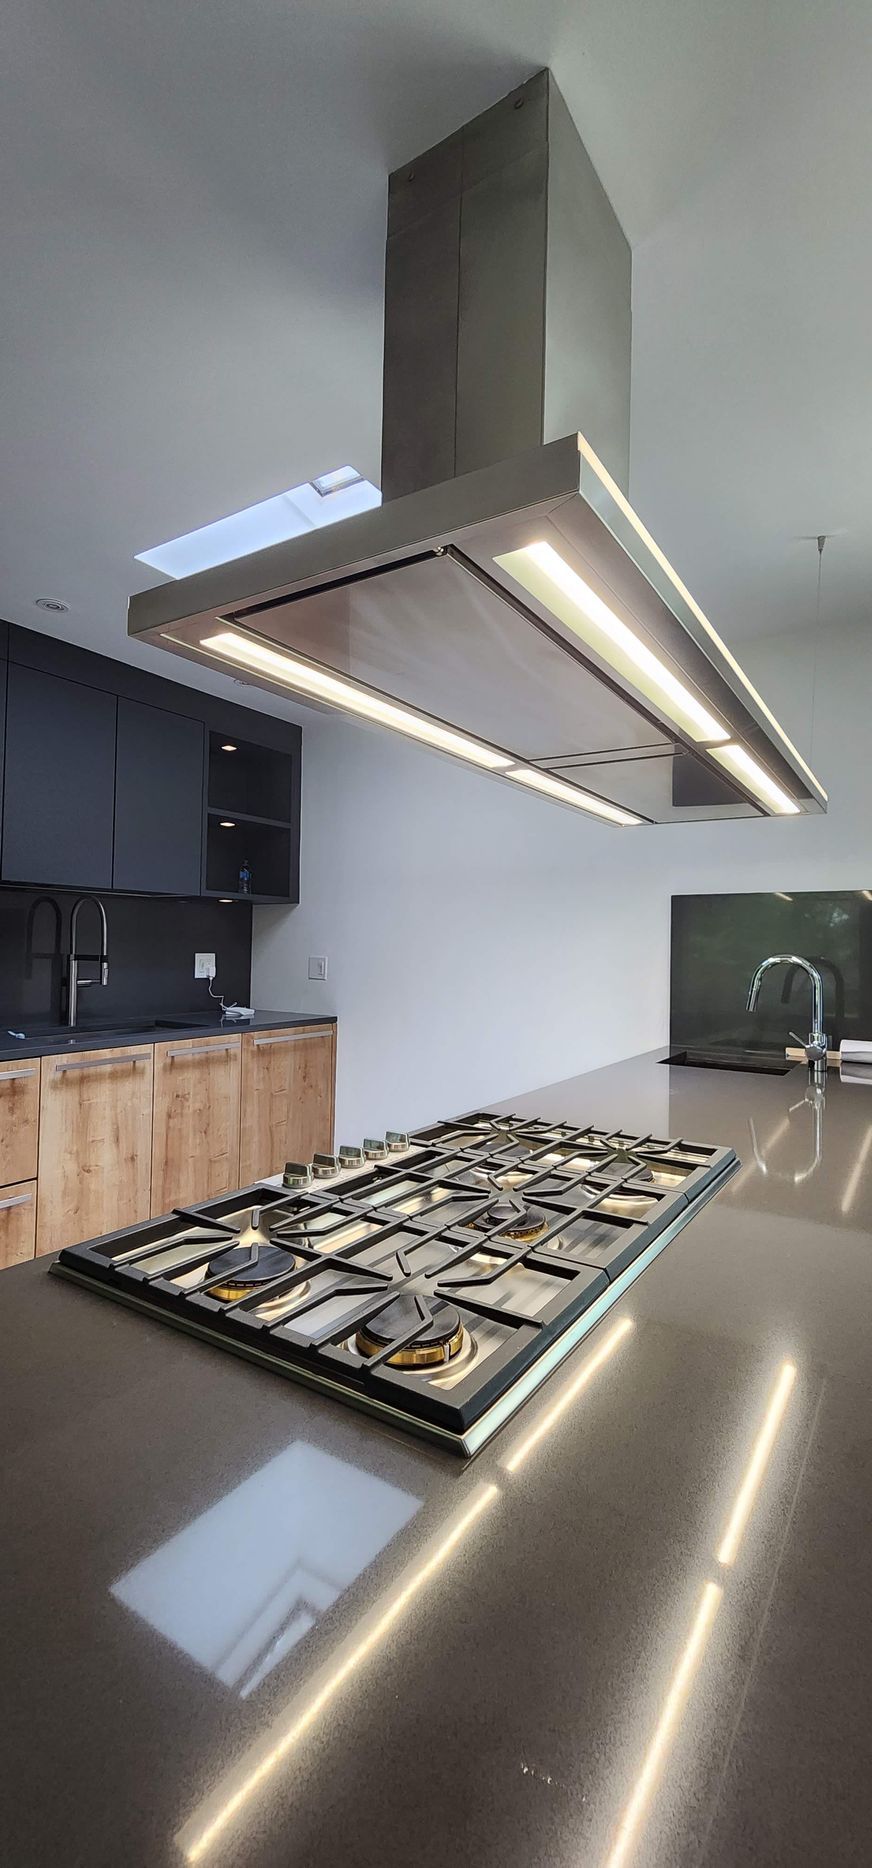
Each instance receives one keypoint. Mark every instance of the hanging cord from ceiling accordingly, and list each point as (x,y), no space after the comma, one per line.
(821,539)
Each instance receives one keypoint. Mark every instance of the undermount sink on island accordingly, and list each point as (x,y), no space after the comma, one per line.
(591,1633)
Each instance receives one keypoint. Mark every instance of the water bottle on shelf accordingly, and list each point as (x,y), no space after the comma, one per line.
(245,877)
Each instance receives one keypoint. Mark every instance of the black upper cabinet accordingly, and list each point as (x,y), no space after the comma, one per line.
(59,796)
(158,801)
(112,775)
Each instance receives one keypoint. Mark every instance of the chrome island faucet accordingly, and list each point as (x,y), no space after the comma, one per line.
(816,1044)
(74,983)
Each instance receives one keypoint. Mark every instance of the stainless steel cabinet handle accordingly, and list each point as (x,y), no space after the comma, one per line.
(202,1050)
(293,1037)
(101,1063)
(16,1199)
(12,1076)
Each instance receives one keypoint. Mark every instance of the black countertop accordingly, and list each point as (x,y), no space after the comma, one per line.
(248,1625)
(39,1041)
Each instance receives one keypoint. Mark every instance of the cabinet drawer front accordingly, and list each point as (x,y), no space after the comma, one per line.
(94,1144)
(287,1098)
(17,1223)
(195,1147)
(19,1120)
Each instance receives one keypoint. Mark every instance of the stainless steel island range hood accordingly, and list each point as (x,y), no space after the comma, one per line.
(505,605)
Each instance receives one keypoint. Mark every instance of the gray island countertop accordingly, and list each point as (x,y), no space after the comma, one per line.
(247,1625)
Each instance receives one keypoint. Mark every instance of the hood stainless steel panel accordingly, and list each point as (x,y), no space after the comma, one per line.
(507,307)
(412,602)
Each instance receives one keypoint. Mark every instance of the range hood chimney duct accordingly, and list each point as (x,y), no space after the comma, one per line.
(507,298)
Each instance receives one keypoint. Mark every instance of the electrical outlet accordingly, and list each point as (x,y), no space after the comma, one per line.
(317,966)
(204,966)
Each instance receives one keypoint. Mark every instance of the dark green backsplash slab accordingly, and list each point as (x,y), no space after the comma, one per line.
(718,940)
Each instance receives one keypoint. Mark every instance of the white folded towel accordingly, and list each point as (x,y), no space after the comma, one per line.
(856,1050)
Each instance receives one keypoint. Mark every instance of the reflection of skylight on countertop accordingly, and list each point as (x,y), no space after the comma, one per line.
(333,496)
(244,1582)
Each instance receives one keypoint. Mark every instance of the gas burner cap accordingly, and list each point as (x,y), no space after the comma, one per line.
(514,1219)
(439,1339)
(244,1276)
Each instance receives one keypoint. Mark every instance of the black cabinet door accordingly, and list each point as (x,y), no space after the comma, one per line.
(158,800)
(59,796)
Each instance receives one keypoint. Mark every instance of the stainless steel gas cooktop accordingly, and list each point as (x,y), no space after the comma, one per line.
(434,1280)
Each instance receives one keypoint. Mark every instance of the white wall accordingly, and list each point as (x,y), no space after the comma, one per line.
(480,942)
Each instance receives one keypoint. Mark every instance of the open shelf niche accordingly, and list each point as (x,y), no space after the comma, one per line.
(249,804)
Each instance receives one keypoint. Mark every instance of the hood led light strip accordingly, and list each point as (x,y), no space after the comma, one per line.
(546,575)
(305,678)
(738,761)
(571,794)
(611,486)
(319,684)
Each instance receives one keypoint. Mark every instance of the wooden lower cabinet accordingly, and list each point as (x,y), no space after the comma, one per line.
(195,1148)
(94,1144)
(17,1223)
(288,1087)
(101,1139)
(19,1120)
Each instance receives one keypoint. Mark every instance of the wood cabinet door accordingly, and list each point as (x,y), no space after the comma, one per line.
(94,1144)
(17,1223)
(195,1151)
(288,1089)
(19,1120)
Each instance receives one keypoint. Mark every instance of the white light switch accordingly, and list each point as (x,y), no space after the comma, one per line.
(204,966)
(317,966)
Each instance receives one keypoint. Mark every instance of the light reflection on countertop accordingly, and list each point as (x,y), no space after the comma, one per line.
(631,1631)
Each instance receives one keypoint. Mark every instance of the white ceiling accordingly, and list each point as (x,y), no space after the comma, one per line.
(191,231)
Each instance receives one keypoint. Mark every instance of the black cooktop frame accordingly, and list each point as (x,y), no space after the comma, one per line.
(324,1358)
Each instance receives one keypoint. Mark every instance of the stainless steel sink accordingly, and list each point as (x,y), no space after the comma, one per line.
(53,1034)
(757,1063)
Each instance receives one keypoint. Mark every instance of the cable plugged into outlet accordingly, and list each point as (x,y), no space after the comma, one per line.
(204,966)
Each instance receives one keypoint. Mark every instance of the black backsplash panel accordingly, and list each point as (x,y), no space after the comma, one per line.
(152,942)
(718,940)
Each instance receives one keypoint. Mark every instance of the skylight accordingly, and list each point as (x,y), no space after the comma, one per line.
(335,495)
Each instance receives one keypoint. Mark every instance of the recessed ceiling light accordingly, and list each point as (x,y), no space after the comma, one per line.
(225,901)
(269,522)
(228,746)
(227,823)
(53,604)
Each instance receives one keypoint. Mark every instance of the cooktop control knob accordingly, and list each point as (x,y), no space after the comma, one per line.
(373,1149)
(397,1142)
(351,1157)
(324,1166)
(296,1174)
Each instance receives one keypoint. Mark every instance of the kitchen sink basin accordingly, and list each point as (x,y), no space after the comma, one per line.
(91,1034)
(758,1063)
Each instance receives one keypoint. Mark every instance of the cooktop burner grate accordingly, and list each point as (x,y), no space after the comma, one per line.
(436,1287)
